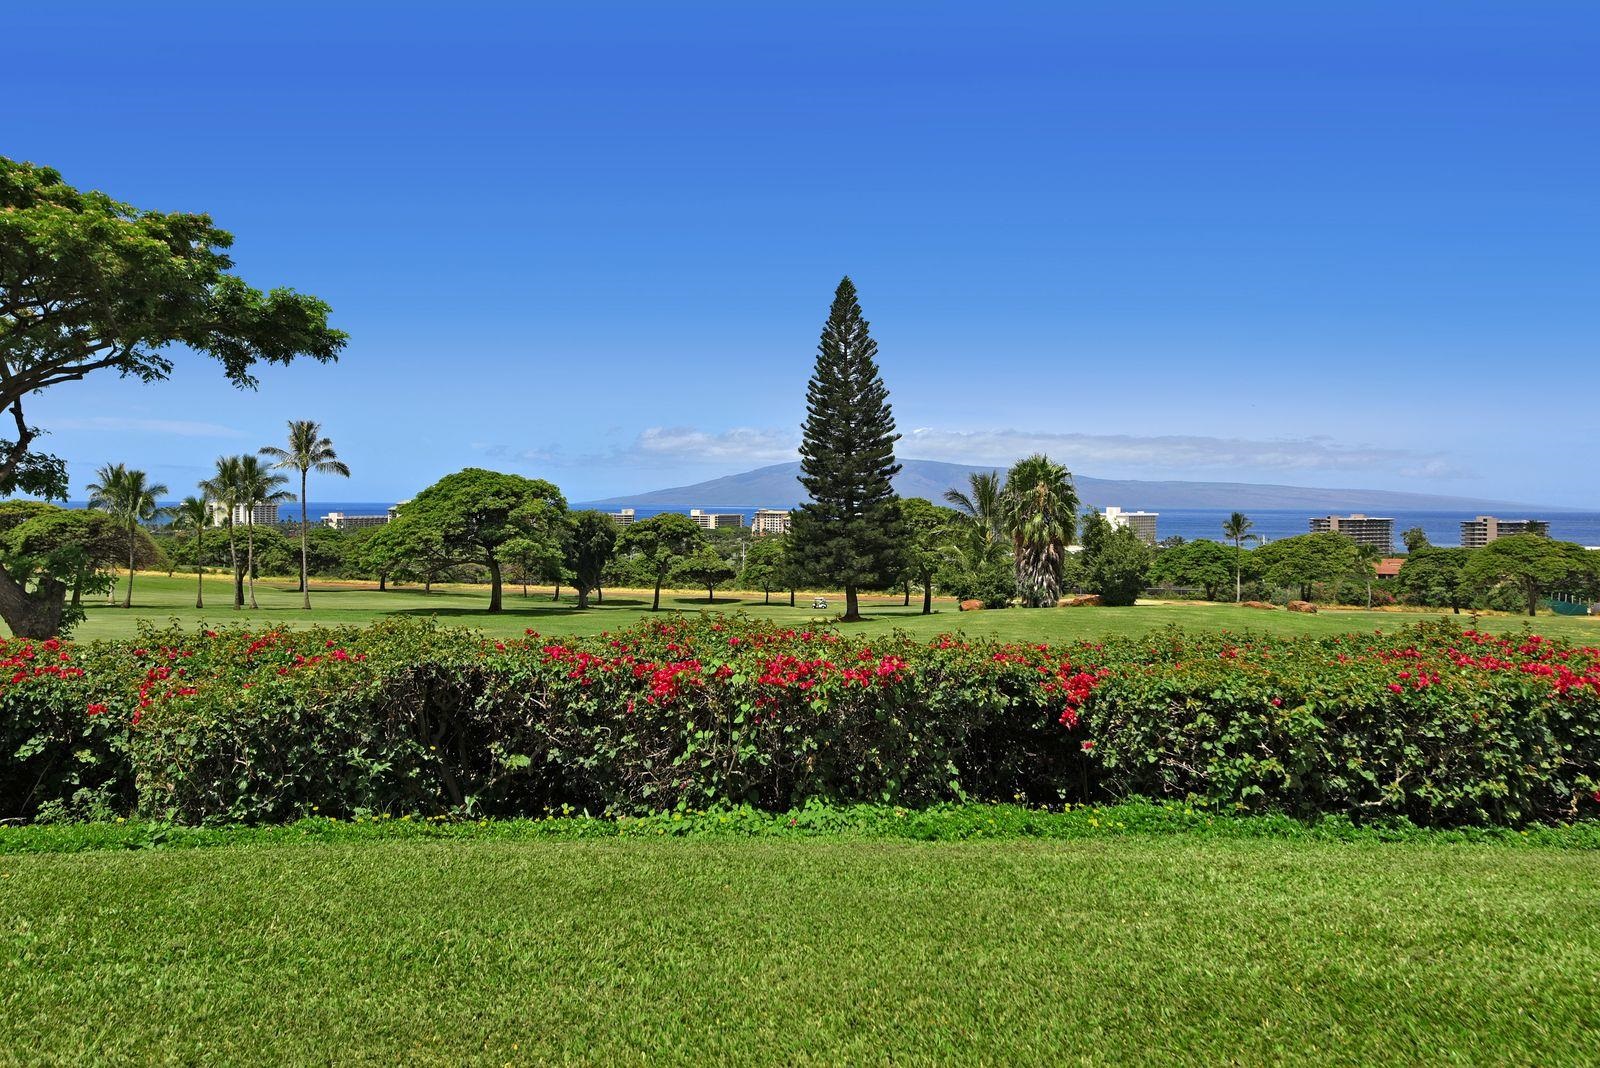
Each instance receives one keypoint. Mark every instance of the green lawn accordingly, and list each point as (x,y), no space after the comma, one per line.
(159,598)
(1146,949)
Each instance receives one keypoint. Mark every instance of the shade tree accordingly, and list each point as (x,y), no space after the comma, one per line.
(1535,566)
(661,543)
(591,538)
(93,286)
(706,567)
(468,517)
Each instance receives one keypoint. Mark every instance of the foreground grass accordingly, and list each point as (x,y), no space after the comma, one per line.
(160,599)
(1145,949)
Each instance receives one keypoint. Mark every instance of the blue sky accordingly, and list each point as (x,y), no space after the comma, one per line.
(1332,245)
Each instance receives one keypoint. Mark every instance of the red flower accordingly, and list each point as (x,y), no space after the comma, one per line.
(97,708)
(1395,687)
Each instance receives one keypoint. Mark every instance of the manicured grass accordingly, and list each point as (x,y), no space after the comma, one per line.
(1148,949)
(160,599)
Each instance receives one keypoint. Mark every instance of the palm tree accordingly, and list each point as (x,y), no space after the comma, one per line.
(257,486)
(308,451)
(981,503)
(1236,528)
(127,494)
(1367,557)
(1038,508)
(194,514)
(223,488)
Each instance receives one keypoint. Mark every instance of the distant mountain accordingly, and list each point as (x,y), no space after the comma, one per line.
(778,486)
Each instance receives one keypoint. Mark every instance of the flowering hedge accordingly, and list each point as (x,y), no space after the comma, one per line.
(1439,725)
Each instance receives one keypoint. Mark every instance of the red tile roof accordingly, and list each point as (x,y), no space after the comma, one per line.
(1390,566)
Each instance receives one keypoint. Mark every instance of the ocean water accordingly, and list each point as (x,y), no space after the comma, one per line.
(1443,528)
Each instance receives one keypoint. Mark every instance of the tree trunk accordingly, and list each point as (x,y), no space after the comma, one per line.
(791,597)
(557,595)
(907,602)
(927,596)
(599,595)
(655,602)
(711,593)
(305,586)
(852,607)
(250,557)
(495,604)
(36,614)
(127,596)
(233,559)
(383,581)
(768,593)
(583,596)
(1533,598)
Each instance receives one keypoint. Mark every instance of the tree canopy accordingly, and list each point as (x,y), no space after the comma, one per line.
(591,538)
(1535,565)
(88,283)
(1203,563)
(1301,562)
(469,515)
(661,542)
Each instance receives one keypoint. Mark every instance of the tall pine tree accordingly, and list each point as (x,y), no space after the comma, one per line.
(850,533)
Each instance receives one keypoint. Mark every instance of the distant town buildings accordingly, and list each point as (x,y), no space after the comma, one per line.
(340,521)
(1476,533)
(262,515)
(716,520)
(622,517)
(1376,531)
(770,521)
(1141,523)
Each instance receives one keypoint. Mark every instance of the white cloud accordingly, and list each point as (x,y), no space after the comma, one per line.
(176,427)
(740,443)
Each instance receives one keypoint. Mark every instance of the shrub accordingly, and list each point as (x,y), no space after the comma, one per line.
(1437,725)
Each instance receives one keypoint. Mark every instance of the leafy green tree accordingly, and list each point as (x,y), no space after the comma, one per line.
(89,284)
(308,450)
(1039,507)
(46,549)
(192,516)
(1432,575)
(468,516)
(1304,561)
(129,495)
(1117,567)
(1415,539)
(706,567)
(404,552)
(661,543)
(1203,563)
(1236,528)
(1533,564)
(529,558)
(931,535)
(591,539)
(849,532)
(765,565)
